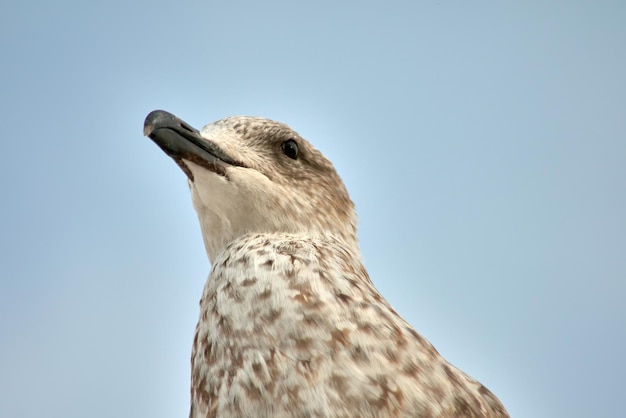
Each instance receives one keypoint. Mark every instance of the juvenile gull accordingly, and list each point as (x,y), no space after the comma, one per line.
(290,323)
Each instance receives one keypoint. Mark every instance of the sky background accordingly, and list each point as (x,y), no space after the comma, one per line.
(484,144)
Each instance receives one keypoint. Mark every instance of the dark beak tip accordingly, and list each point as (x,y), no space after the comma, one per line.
(156,118)
(147,129)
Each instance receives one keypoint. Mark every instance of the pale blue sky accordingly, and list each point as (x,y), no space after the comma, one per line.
(484,144)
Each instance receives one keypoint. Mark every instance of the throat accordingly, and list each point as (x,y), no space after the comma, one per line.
(215,227)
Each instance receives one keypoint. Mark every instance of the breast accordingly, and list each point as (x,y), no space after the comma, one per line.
(291,326)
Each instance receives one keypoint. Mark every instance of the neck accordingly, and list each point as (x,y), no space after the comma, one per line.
(213,250)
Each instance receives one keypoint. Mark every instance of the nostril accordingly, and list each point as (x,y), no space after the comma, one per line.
(187,127)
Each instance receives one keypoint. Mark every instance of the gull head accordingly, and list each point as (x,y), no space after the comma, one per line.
(253,175)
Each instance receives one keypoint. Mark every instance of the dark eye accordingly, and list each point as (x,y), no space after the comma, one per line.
(290,148)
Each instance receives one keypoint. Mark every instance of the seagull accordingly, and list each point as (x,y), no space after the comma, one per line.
(290,323)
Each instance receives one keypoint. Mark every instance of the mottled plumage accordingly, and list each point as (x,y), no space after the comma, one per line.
(290,323)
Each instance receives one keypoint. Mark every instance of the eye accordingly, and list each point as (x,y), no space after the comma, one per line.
(290,148)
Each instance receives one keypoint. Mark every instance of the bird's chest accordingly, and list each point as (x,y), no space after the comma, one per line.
(251,315)
(275,320)
(248,302)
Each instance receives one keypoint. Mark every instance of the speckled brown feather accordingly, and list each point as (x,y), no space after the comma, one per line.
(294,327)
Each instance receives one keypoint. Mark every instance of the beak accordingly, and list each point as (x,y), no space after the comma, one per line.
(182,142)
